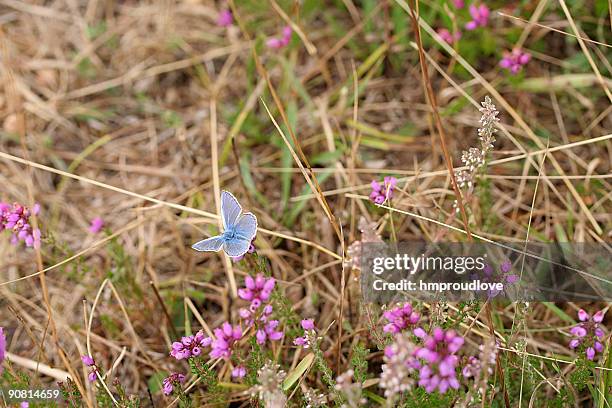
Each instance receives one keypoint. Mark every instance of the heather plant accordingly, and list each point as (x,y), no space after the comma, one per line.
(16,219)
(283,138)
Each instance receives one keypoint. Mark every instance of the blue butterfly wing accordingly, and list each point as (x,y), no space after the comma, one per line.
(236,246)
(244,232)
(213,244)
(230,210)
(246,227)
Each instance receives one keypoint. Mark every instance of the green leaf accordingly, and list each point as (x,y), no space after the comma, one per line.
(560,313)
(298,371)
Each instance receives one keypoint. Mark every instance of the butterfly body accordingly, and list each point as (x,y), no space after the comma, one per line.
(239,229)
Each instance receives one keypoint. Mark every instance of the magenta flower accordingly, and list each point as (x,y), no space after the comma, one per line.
(2,348)
(459,3)
(400,318)
(16,218)
(514,61)
(226,336)
(448,36)
(268,331)
(225,18)
(383,192)
(307,324)
(257,290)
(239,372)
(437,368)
(190,346)
(96,225)
(89,362)
(310,334)
(588,333)
(278,43)
(174,380)
(480,17)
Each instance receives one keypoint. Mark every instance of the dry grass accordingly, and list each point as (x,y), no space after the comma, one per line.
(141,112)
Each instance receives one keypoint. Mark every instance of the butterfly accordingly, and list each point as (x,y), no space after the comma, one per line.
(238,229)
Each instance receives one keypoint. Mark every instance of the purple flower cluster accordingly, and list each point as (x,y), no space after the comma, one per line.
(239,372)
(258,291)
(16,218)
(96,225)
(226,336)
(309,336)
(514,60)
(383,192)
(449,37)
(489,275)
(221,345)
(588,333)
(268,330)
(173,380)
(190,346)
(480,17)
(278,43)
(89,362)
(225,18)
(438,360)
(400,318)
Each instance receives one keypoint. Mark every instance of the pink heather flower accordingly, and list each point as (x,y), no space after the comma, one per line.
(459,3)
(88,360)
(257,289)
(278,43)
(419,332)
(480,17)
(239,372)
(2,348)
(588,333)
(514,61)
(190,346)
(226,336)
(174,380)
(310,334)
(225,18)
(96,225)
(307,324)
(382,192)
(437,368)
(268,331)
(400,318)
(16,218)
(448,36)
(249,251)
(24,404)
